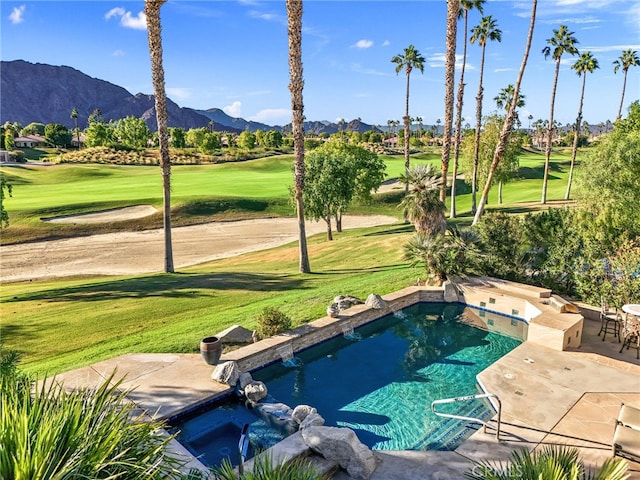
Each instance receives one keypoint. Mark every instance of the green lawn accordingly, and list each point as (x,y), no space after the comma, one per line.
(66,324)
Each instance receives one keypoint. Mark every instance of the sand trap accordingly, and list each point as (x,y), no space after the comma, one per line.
(130,253)
(112,215)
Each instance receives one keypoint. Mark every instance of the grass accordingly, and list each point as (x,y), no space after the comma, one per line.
(66,324)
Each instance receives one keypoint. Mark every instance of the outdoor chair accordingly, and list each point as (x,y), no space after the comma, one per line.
(610,321)
(630,333)
(626,435)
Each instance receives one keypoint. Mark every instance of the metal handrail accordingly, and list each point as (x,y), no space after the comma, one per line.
(471,419)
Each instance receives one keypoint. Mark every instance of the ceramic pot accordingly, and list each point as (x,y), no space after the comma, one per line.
(211,349)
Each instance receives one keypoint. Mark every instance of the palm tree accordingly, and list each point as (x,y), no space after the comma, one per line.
(562,42)
(485,30)
(152,12)
(505,97)
(629,58)
(586,63)
(294,16)
(421,205)
(465,6)
(407,61)
(453,8)
(508,123)
(74,115)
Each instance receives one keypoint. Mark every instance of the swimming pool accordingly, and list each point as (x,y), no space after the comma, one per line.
(381,381)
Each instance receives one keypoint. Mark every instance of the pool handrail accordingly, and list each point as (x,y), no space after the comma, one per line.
(471,419)
(243,446)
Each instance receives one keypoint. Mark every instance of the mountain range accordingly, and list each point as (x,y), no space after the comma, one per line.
(37,92)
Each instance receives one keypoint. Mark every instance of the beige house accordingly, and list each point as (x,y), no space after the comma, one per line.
(29,141)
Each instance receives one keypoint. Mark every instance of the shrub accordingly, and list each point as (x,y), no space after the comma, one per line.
(272,321)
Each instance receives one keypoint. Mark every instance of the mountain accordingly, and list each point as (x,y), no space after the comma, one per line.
(37,92)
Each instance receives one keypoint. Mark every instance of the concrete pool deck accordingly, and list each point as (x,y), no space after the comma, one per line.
(548,396)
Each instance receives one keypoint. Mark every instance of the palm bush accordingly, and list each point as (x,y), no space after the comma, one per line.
(422,205)
(272,321)
(551,463)
(49,433)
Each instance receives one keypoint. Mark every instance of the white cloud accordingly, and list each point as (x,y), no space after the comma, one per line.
(234,109)
(16,15)
(178,93)
(611,48)
(386,43)
(363,44)
(117,53)
(273,115)
(127,19)
(439,60)
(358,68)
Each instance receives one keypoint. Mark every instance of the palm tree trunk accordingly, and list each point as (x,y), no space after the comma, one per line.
(500,192)
(406,136)
(152,12)
(547,152)
(476,141)
(338,221)
(508,124)
(456,148)
(453,7)
(294,15)
(576,138)
(624,87)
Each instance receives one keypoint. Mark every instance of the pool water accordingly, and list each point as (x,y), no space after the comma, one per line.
(379,381)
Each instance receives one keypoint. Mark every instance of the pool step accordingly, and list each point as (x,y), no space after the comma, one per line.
(322,466)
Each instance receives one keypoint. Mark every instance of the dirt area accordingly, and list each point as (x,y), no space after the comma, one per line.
(132,253)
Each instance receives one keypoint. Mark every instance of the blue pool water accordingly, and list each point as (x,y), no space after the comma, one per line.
(381,381)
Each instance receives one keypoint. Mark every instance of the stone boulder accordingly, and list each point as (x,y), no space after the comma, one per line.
(244,380)
(255,392)
(301,411)
(235,334)
(375,301)
(346,301)
(450,292)
(226,372)
(342,446)
(311,420)
(333,311)
(278,415)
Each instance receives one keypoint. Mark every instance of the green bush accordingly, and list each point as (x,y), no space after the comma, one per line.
(272,321)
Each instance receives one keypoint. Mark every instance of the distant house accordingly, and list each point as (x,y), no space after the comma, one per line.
(74,140)
(29,141)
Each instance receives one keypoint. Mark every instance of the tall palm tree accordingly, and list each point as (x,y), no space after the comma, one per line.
(562,42)
(629,58)
(505,97)
(152,12)
(74,115)
(294,16)
(453,8)
(508,123)
(485,31)
(465,6)
(586,63)
(407,61)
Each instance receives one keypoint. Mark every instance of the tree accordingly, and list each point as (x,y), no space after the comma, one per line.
(34,128)
(407,61)
(273,139)
(336,172)
(9,141)
(296,84)
(247,140)
(99,134)
(508,124)
(74,115)
(5,190)
(422,205)
(57,134)
(562,42)
(628,59)
(505,97)
(465,6)
(152,12)
(586,63)
(133,132)
(486,30)
(453,8)
(177,137)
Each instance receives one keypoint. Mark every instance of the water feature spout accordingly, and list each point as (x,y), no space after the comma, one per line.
(286,354)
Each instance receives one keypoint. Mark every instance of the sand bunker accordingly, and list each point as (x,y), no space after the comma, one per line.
(112,215)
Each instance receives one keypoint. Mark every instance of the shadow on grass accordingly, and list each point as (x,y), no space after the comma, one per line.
(393,230)
(179,285)
(381,268)
(537,173)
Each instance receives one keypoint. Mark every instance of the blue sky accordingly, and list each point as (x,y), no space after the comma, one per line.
(233,54)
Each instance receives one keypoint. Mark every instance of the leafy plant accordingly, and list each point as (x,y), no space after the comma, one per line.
(47,432)
(265,469)
(551,463)
(272,321)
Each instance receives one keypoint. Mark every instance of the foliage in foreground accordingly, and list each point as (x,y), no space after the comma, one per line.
(49,433)
(265,469)
(272,321)
(551,463)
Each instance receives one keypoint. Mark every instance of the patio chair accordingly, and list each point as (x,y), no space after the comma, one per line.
(610,321)
(626,435)
(630,333)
